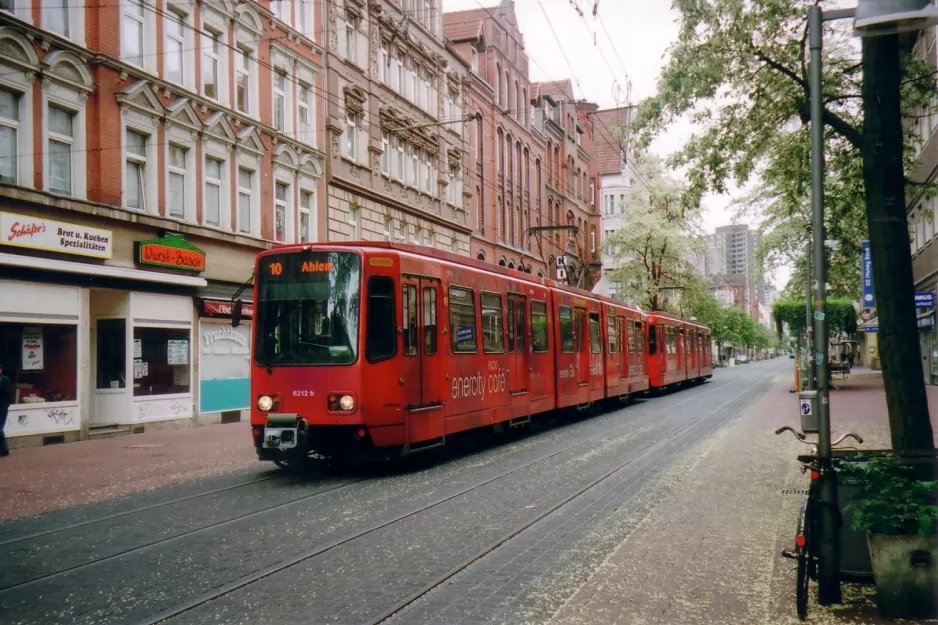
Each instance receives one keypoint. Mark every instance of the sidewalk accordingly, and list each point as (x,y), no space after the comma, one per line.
(39,479)
(709,552)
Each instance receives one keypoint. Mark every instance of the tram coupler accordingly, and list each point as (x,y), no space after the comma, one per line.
(284,436)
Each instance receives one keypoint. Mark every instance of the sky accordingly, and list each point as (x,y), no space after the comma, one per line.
(641,32)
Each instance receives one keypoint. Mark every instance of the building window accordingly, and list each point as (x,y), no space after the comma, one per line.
(210,46)
(397,78)
(387,228)
(173,66)
(276,7)
(353,222)
(243,76)
(61,136)
(306,205)
(351,138)
(386,153)
(9,129)
(176,187)
(55,16)
(304,103)
(592,192)
(428,172)
(383,63)
(451,187)
(399,158)
(351,38)
(132,32)
(245,199)
(280,212)
(415,167)
(135,189)
(414,93)
(474,59)
(212,178)
(280,85)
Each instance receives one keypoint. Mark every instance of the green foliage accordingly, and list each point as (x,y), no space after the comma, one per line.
(891,500)
(841,315)
(651,251)
(739,71)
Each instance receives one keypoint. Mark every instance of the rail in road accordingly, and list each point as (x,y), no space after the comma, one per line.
(376,549)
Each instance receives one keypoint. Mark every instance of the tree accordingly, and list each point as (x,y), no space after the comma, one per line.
(739,70)
(841,315)
(651,251)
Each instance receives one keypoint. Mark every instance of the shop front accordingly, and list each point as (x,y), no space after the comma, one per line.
(224,359)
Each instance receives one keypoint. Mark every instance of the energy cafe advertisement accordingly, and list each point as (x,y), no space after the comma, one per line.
(54,236)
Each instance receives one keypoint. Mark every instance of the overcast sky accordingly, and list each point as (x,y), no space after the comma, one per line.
(641,32)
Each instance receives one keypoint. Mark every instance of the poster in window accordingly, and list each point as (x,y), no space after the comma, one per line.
(138,348)
(32,348)
(177,352)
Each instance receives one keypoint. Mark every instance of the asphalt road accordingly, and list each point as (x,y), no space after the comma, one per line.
(501,534)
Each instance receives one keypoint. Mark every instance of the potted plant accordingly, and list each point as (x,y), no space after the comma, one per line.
(899,512)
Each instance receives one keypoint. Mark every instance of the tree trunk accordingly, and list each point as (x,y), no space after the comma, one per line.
(884,179)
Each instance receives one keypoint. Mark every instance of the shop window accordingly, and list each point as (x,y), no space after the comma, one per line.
(493,340)
(161,361)
(539,327)
(566,330)
(596,341)
(462,320)
(380,339)
(41,361)
(112,353)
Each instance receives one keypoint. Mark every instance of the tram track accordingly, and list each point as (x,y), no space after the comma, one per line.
(168,539)
(310,554)
(390,615)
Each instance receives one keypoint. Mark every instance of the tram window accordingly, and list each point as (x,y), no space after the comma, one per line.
(652,341)
(493,332)
(410,319)
(631,336)
(429,320)
(519,326)
(596,339)
(539,327)
(579,334)
(566,330)
(380,337)
(611,330)
(639,338)
(462,320)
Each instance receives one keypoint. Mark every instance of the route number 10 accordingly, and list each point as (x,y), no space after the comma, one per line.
(276,269)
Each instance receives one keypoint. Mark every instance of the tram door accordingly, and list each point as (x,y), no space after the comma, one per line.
(625,346)
(519,365)
(423,367)
(582,343)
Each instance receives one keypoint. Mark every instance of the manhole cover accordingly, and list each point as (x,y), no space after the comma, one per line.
(794,491)
(144,446)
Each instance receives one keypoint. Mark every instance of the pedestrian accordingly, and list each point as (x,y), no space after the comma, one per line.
(6,398)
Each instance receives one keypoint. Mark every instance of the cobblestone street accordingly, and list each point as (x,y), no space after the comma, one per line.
(666,511)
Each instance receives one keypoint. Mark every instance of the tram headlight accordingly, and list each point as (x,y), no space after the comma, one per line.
(347,403)
(265,403)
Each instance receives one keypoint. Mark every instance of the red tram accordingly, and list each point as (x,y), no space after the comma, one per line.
(384,349)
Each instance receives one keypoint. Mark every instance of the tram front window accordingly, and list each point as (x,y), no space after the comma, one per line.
(307,311)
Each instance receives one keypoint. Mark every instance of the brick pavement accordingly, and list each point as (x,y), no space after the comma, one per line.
(708,553)
(39,479)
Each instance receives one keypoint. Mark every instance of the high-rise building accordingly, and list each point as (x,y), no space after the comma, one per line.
(732,258)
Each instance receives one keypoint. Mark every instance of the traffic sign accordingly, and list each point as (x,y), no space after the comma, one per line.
(806,407)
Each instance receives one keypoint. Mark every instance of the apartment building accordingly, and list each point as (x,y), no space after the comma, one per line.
(395,125)
(148,151)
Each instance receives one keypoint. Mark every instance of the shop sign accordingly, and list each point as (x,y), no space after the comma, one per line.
(212,307)
(925,300)
(54,236)
(172,251)
(926,322)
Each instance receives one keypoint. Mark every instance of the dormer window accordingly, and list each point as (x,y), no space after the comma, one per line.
(474,60)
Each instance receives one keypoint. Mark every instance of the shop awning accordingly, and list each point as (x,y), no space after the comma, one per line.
(33,262)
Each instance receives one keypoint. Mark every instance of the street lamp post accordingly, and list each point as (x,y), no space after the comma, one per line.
(873,18)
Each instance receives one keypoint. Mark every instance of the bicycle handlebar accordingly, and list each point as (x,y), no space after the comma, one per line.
(788,428)
(855,437)
(800,436)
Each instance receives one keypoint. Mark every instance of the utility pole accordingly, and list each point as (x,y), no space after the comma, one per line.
(807,316)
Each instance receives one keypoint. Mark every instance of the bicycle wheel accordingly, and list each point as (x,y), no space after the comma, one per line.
(801,589)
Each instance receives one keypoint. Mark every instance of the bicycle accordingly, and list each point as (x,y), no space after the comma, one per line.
(806,550)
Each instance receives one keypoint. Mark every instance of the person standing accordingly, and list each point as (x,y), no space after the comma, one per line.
(6,398)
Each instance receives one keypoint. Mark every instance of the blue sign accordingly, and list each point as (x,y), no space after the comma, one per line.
(806,407)
(867,271)
(924,300)
(464,333)
(871,329)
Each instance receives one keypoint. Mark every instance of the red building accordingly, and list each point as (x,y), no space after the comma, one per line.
(148,151)
(530,161)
